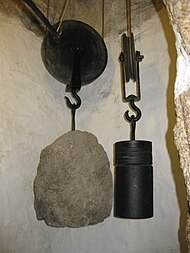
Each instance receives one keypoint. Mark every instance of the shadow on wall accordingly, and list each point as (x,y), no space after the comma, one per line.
(177,173)
(158,4)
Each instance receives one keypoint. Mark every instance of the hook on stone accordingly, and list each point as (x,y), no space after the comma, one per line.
(76,105)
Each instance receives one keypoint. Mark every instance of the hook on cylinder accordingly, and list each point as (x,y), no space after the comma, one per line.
(76,97)
(136,110)
(133,119)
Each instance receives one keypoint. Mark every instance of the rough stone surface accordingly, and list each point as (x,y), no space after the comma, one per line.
(73,186)
(87,11)
(182,140)
(180,16)
(180,19)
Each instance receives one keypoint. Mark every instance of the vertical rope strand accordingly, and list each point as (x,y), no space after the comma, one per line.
(64,10)
(103,21)
(47,13)
(128,16)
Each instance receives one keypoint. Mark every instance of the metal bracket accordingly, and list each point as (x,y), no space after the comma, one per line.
(130,59)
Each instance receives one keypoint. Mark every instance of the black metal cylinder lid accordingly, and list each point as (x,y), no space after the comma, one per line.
(133,179)
(133,152)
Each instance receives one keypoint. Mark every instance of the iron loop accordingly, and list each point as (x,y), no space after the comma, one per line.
(76,97)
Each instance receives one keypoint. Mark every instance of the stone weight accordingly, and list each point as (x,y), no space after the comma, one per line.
(73,186)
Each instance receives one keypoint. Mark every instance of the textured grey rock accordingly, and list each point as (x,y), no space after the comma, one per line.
(73,186)
(87,11)
(180,19)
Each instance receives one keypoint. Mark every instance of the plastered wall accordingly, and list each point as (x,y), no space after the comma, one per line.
(33,114)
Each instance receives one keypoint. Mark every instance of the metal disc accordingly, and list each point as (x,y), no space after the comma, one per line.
(58,57)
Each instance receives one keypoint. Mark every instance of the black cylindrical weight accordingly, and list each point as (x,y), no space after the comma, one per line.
(133,196)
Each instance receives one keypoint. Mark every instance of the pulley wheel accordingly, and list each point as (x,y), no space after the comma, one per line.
(58,56)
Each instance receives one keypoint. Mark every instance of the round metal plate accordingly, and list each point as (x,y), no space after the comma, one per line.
(58,57)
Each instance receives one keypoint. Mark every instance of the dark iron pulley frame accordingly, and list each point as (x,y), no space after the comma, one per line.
(73,53)
(133,193)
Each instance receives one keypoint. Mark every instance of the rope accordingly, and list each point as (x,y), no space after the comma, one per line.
(64,10)
(103,8)
(128,16)
(47,13)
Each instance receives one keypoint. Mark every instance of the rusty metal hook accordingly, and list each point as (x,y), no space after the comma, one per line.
(135,109)
(73,106)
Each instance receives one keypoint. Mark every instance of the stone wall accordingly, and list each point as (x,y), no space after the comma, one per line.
(180,18)
(33,114)
(87,11)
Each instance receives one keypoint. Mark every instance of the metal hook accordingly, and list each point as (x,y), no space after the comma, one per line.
(136,109)
(76,97)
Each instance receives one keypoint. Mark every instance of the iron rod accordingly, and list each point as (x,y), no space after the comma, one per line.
(40,15)
(73,111)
